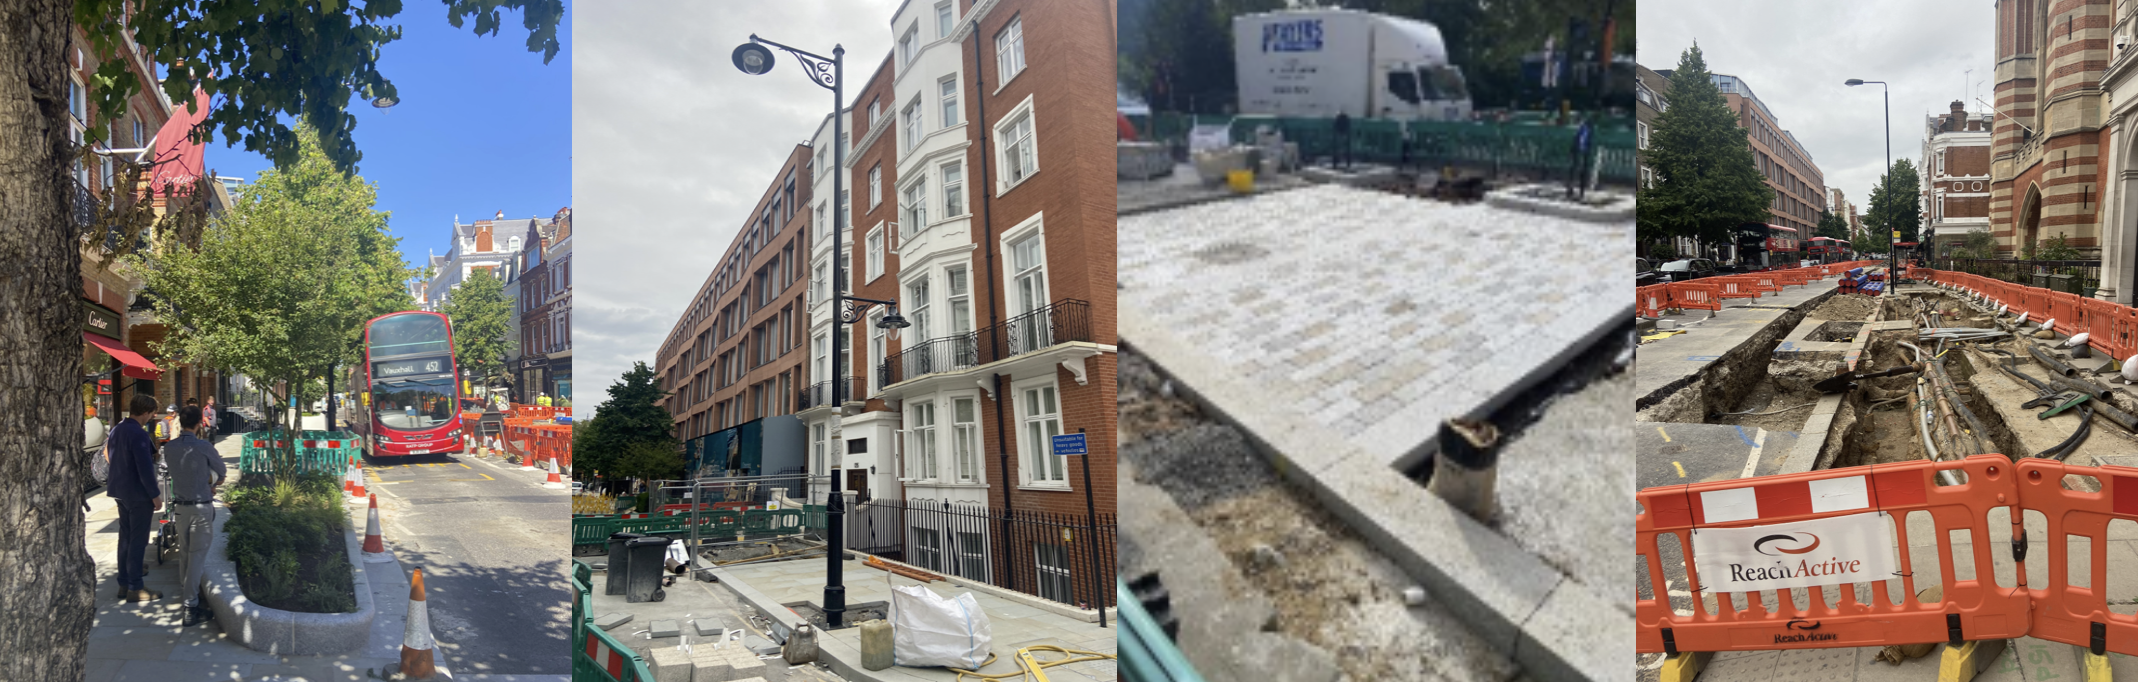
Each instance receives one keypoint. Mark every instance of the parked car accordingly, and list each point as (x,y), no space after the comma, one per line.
(1690,268)
(1644,273)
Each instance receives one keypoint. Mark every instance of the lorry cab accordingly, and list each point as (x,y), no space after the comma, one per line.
(1427,93)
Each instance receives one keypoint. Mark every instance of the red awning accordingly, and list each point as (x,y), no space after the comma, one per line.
(136,366)
(179,161)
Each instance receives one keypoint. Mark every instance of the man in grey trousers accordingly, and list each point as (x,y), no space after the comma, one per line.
(196,470)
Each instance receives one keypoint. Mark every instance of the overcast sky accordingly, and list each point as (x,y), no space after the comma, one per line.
(671,147)
(1795,55)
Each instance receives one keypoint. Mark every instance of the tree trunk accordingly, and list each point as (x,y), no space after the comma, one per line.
(46,604)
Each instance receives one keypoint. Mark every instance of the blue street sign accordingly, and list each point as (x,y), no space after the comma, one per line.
(1069,444)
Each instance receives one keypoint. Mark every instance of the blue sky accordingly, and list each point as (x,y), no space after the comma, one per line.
(483,126)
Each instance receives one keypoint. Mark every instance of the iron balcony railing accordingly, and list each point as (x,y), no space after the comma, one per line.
(819,394)
(1068,558)
(1062,322)
(2080,277)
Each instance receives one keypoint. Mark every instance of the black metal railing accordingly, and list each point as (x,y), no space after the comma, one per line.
(1044,554)
(942,354)
(819,394)
(1061,322)
(2080,277)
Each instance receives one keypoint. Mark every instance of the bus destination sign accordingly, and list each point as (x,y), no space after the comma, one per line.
(402,368)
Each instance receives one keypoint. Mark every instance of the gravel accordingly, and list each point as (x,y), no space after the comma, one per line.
(1200,464)
(1846,307)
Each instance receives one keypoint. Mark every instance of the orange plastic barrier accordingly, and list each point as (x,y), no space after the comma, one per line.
(1731,287)
(1796,277)
(1695,296)
(2064,612)
(1975,609)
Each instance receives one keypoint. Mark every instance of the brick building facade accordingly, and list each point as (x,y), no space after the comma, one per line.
(1955,172)
(736,354)
(541,297)
(2119,238)
(2048,141)
(1787,167)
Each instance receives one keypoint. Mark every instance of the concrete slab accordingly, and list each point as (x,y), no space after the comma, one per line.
(708,627)
(664,628)
(611,621)
(1455,331)
(669,664)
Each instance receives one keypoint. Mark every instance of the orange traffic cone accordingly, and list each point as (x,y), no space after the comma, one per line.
(347,487)
(356,482)
(416,642)
(374,545)
(555,480)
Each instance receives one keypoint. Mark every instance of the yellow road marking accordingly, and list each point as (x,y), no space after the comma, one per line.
(464,466)
(485,477)
(1666,436)
(1681,469)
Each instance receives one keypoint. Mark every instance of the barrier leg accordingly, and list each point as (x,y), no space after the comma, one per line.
(1961,663)
(1685,666)
(2096,667)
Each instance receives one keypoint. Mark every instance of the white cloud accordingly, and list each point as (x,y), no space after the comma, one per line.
(1795,56)
(672,146)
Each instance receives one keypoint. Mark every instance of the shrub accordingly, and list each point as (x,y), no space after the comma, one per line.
(286,538)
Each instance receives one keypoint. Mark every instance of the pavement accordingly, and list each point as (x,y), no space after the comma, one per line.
(1187,187)
(1669,454)
(144,642)
(1668,364)
(744,592)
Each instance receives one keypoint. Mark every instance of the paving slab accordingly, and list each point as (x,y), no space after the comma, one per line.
(664,628)
(611,621)
(1375,314)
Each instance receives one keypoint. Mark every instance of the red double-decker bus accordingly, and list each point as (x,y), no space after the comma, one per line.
(410,386)
(1826,250)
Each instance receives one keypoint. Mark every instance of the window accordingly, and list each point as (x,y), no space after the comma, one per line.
(907,43)
(875,185)
(876,351)
(846,206)
(1019,156)
(1042,422)
(820,283)
(820,359)
(821,167)
(876,264)
(960,301)
(912,117)
(875,112)
(917,304)
(1028,293)
(1009,51)
(972,555)
(965,438)
(953,190)
(920,447)
(917,206)
(945,20)
(947,92)
(823,222)
(1640,131)
(821,448)
(927,549)
(1053,571)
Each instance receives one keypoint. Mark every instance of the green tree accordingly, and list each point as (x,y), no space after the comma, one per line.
(1896,204)
(482,319)
(280,287)
(1831,225)
(274,63)
(2055,248)
(1977,244)
(1706,183)
(625,427)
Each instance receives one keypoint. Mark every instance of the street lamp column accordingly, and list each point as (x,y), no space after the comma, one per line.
(1893,248)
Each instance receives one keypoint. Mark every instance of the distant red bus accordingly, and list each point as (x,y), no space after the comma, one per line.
(1826,249)
(409,386)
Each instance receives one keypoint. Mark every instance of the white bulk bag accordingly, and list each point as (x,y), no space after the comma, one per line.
(928,630)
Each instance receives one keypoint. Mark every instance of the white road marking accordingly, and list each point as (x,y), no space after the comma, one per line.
(1759,442)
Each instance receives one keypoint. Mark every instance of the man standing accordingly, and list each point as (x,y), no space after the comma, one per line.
(196,470)
(133,485)
(542,399)
(1343,135)
(208,422)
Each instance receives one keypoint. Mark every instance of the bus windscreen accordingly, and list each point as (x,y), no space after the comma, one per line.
(413,404)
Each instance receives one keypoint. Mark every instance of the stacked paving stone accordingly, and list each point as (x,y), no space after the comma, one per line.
(730,663)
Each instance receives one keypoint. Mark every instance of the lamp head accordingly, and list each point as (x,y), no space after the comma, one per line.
(1854,81)
(753,58)
(892,320)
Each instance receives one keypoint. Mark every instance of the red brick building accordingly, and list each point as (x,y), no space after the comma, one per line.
(1955,171)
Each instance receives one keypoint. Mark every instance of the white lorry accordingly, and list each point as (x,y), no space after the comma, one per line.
(1321,62)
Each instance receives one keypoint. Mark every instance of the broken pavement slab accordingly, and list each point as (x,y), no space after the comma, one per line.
(612,621)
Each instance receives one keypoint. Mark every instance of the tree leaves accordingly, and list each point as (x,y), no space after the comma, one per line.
(272,60)
(1896,204)
(628,431)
